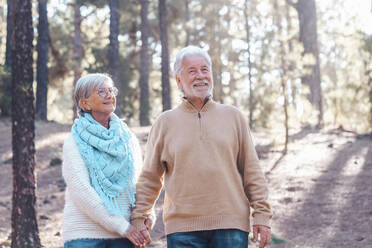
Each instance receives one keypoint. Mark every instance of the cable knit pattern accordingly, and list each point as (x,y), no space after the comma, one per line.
(108,156)
(85,215)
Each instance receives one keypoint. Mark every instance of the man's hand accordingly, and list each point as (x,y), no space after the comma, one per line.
(148,224)
(135,236)
(265,235)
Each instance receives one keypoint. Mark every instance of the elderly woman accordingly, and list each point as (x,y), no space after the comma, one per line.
(100,161)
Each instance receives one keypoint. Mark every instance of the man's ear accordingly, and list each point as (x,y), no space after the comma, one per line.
(84,104)
(179,84)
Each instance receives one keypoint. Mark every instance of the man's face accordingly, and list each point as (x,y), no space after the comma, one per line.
(195,80)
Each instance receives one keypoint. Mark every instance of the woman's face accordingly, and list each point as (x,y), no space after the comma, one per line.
(102,100)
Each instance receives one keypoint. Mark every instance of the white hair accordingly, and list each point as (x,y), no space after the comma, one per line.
(187,51)
(86,84)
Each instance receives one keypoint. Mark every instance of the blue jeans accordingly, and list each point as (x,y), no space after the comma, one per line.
(220,238)
(99,243)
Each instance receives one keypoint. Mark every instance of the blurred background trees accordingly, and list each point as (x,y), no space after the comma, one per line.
(284,63)
(42,75)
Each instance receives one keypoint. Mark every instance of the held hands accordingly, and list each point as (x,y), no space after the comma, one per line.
(265,235)
(136,237)
(144,234)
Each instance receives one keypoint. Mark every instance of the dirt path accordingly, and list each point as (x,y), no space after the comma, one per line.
(320,191)
(322,194)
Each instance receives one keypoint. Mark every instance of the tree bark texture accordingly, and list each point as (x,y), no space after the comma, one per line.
(166,89)
(308,36)
(24,223)
(78,48)
(144,67)
(113,49)
(42,62)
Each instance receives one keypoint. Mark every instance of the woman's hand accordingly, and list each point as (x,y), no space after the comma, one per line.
(135,236)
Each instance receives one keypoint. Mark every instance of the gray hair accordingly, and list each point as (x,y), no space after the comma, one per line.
(187,51)
(86,84)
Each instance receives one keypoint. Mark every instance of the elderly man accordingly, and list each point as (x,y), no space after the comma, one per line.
(202,153)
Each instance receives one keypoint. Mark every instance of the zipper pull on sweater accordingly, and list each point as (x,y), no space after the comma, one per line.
(199,115)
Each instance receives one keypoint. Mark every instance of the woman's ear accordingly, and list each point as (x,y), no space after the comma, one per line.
(84,104)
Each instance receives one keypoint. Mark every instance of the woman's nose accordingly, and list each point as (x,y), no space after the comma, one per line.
(109,95)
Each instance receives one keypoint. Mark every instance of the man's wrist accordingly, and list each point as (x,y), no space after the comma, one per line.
(261,219)
(139,224)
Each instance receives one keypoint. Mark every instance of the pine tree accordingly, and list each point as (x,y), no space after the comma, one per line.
(24,223)
(166,89)
(42,62)
(144,66)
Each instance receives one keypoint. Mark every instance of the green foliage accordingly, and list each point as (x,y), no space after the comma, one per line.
(5,92)
(219,27)
(275,240)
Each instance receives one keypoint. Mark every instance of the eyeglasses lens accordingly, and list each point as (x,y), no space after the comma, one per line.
(104,92)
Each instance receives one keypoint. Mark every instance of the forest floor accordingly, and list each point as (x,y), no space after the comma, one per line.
(321,191)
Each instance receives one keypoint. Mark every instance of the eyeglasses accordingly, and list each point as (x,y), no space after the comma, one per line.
(105,92)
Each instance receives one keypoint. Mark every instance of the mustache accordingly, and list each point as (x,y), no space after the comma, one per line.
(200,81)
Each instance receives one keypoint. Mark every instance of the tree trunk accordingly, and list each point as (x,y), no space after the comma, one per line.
(216,51)
(247,28)
(24,223)
(42,62)
(291,65)
(368,73)
(144,67)
(308,36)
(283,74)
(187,20)
(113,49)
(166,90)
(78,48)
(285,108)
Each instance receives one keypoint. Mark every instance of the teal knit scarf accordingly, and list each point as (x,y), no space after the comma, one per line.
(108,156)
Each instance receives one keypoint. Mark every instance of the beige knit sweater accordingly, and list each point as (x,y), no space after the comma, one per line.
(209,168)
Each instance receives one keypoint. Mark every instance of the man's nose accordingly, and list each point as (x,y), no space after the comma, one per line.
(199,74)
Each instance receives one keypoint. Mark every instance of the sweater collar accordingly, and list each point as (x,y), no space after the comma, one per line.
(189,107)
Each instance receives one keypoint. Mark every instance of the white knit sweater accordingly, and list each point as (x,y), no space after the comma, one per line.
(85,215)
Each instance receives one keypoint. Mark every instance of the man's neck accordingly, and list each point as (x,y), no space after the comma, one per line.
(197,102)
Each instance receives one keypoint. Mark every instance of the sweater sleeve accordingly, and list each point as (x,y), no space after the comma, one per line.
(150,180)
(83,194)
(255,185)
(138,162)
